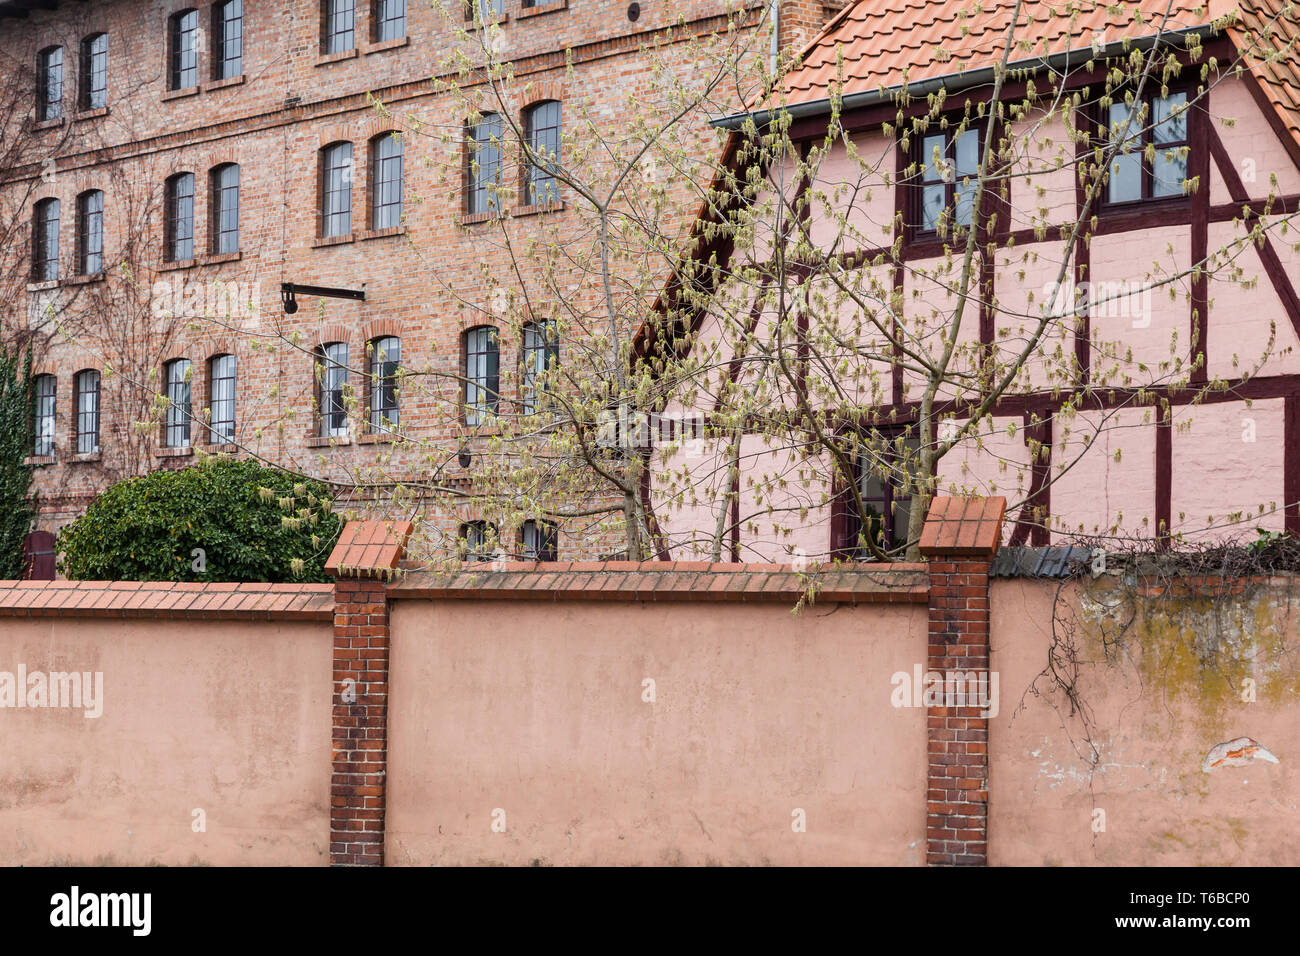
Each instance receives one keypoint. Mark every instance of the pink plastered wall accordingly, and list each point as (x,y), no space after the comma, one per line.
(757,713)
(1227,470)
(1156,709)
(1103,473)
(224,717)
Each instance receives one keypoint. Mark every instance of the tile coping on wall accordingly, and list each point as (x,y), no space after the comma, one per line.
(670,581)
(167,599)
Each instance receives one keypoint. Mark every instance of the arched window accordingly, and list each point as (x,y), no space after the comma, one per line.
(542,133)
(386,181)
(49,98)
(541,352)
(482,375)
(178,217)
(483,164)
(332,380)
(389,19)
(539,541)
(94,72)
(177,375)
(479,537)
(228,35)
(225,209)
(43,416)
(45,241)
(90,233)
(385,360)
(336,189)
(184,54)
(221,398)
(338,25)
(86,394)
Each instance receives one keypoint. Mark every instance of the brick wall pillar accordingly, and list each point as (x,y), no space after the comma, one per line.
(366,552)
(959,540)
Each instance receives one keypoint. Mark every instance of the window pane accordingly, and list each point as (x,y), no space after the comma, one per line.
(90,233)
(336,218)
(1169,172)
(180,217)
(230,39)
(87,412)
(225,206)
(968,153)
(51,80)
(185,64)
(222,398)
(476,535)
(1117,116)
(541,351)
(542,127)
(94,72)
(485,164)
(390,20)
(177,431)
(45,241)
(933,200)
(44,424)
(340,22)
(385,359)
(1170,126)
(932,155)
(386,182)
(333,365)
(539,541)
(481,374)
(1125,178)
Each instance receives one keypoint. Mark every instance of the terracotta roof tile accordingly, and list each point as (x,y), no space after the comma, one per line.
(881,44)
(963,526)
(369,547)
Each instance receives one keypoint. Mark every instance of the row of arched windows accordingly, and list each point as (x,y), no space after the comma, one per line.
(178,224)
(92,78)
(481,368)
(89,256)
(385,185)
(85,413)
(538,541)
(485,158)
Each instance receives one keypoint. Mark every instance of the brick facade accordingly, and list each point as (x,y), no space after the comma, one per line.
(290,100)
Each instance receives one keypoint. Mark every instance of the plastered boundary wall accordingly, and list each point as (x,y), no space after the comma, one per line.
(504,715)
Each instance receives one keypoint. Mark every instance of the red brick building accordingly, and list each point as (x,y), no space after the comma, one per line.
(183,162)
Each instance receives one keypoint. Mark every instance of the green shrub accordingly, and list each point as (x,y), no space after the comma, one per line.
(220,520)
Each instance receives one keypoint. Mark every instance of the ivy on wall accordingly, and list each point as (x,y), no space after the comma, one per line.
(16,511)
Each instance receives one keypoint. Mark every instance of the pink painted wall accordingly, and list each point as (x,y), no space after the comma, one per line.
(224,716)
(1173,692)
(758,713)
(1227,470)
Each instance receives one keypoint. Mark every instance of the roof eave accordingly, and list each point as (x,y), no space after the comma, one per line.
(952,81)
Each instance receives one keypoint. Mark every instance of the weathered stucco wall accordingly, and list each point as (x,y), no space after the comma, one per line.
(1169,688)
(535,709)
(227,717)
